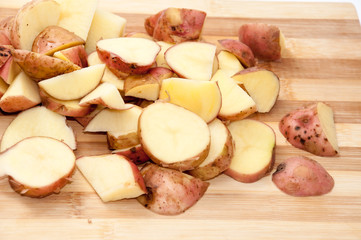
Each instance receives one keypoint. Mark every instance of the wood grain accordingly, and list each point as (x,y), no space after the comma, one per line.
(322,63)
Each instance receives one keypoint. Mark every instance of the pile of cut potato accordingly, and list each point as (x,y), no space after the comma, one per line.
(174,107)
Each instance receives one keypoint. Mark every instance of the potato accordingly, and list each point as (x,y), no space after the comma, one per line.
(240,50)
(301,177)
(175,25)
(6,25)
(4,39)
(312,129)
(170,192)
(55,38)
(39,66)
(5,54)
(135,154)
(266,41)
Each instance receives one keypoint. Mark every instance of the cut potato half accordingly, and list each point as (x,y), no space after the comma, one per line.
(173,136)
(201,97)
(38,121)
(38,166)
(73,85)
(254,150)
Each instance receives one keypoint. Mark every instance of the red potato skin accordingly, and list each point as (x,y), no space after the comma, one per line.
(263,39)
(120,68)
(240,50)
(14,104)
(150,23)
(4,39)
(169,191)
(138,178)
(45,191)
(189,29)
(6,26)
(301,177)
(135,154)
(302,129)
(77,55)
(5,53)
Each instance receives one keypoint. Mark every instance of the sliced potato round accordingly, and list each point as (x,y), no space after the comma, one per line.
(173,136)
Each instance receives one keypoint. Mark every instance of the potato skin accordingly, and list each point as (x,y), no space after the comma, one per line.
(302,128)
(170,192)
(263,39)
(240,50)
(301,177)
(40,67)
(175,25)
(45,191)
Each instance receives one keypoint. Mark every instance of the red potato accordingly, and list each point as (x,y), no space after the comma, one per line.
(38,166)
(311,129)
(55,38)
(76,55)
(5,53)
(87,118)
(266,41)
(151,21)
(4,39)
(175,25)
(301,177)
(39,66)
(135,154)
(240,50)
(6,25)
(170,192)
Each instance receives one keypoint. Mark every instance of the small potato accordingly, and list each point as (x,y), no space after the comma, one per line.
(311,129)
(170,192)
(55,38)
(175,25)
(240,50)
(39,66)
(301,177)
(266,41)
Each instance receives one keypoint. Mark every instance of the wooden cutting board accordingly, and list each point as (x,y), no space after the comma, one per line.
(322,63)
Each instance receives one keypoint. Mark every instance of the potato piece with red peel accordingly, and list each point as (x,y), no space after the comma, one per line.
(173,136)
(73,85)
(146,86)
(128,55)
(84,120)
(175,25)
(31,19)
(201,97)
(112,176)
(55,38)
(192,60)
(135,154)
(170,192)
(9,70)
(229,63)
(220,152)
(5,53)
(69,108)
(6,25)
(236,103)
(38,166)
(262,85)
(105,94)
(311,129)
(121,139)
(4,39)
(22,94)
(160,60)
(301,177)
(76,55)
(254,154)
(266,41)
(240,50)
(38,121)
(151,21)
(39,66)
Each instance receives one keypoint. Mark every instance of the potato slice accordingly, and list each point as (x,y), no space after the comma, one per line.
(39,66)
(201,97)
(312,129)
(104,25)
(31,19)
(229,63)
(220,152)
(76,55)
(23,93)
(301,177)
(38,166)
(160,60)
(240,50)
(170,191)
(254,150)
(38,121)
(192,60)
(73,85)
(173,136)
(236,103)
(262,85)
(55,38)
(112,176)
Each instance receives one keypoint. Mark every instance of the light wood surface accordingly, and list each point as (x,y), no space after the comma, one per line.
(322,63)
